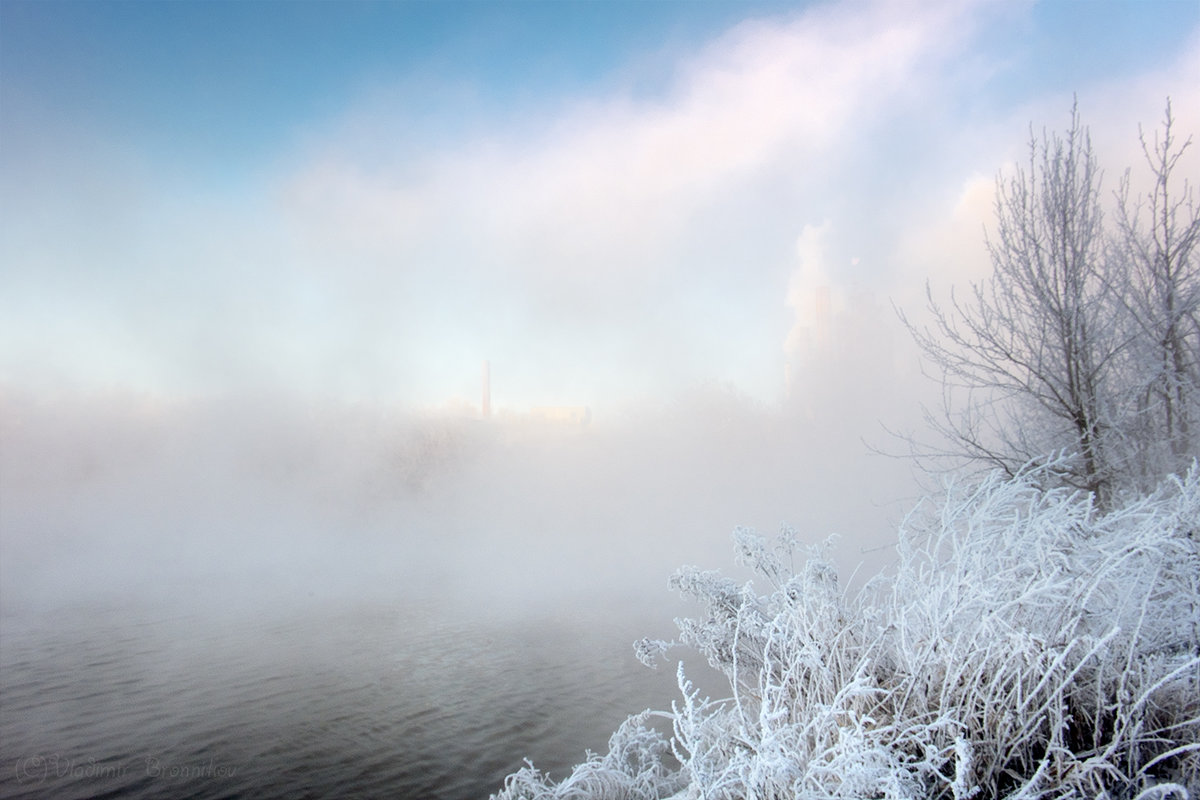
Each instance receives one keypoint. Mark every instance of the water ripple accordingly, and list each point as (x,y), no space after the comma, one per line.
(367,700)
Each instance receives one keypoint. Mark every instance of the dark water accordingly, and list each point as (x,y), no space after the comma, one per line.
(350,699)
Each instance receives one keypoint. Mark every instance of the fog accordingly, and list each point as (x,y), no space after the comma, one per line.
(335,592)
(252,505)
(243,505)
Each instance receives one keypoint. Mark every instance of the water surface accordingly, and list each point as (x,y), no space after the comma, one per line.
(359,699)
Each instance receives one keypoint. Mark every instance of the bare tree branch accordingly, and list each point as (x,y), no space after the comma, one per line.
(1028,360)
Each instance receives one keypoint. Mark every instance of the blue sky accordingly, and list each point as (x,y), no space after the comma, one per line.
(611,201)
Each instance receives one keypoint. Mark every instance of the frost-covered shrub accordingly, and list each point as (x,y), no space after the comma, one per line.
(1026,646)
(633,769)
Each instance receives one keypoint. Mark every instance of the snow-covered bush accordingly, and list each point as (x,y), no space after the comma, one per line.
(1026,646)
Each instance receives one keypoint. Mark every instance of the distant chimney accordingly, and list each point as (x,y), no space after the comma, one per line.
(487,391)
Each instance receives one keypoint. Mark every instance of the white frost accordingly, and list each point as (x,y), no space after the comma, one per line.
(1027,647)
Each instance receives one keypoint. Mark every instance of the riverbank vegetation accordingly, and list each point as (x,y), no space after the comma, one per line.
(1039,633)
(1027,645)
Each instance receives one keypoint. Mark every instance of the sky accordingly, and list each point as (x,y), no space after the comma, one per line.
(608,201)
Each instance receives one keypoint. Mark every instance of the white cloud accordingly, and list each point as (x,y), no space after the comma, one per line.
(659,225)
(808,291)
(597,247)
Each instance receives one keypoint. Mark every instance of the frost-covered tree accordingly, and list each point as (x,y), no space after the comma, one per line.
(1154,250)
(1026,359)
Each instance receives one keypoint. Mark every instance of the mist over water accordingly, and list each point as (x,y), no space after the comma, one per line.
(360,598)
(250,585)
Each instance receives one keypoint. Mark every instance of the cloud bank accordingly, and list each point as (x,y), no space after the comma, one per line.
(599,248)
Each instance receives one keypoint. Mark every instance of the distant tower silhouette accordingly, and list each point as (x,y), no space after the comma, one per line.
(487,391)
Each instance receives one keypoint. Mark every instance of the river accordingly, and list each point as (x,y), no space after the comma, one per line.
(354,699)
